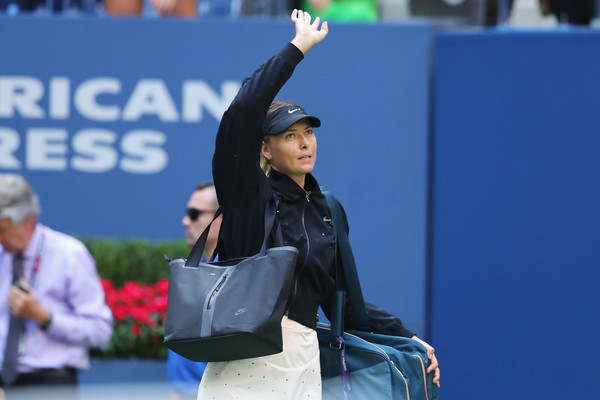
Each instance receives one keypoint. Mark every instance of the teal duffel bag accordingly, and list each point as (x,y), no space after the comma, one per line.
(358,365)
(369,366)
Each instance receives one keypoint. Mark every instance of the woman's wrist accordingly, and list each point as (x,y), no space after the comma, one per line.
(301,45)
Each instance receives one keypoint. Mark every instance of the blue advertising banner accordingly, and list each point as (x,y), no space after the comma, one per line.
(113,123)
(516,247)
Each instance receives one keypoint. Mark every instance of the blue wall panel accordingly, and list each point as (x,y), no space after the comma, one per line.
(90,85)
(516,245)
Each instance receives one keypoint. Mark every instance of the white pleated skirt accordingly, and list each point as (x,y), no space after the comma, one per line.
(293,374)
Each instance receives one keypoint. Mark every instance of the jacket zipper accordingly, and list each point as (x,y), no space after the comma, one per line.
(305,259)
(214,292)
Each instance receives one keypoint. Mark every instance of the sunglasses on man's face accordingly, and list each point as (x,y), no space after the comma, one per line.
(194,213)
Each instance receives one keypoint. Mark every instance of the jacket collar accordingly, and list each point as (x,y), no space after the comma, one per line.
(290,189)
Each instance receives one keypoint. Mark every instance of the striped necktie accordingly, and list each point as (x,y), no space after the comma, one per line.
(16,326)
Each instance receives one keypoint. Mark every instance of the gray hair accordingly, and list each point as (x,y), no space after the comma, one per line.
(17,199)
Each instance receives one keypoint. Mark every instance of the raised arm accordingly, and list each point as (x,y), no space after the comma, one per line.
(237,148)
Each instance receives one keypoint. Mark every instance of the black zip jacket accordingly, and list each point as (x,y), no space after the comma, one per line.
(244,192)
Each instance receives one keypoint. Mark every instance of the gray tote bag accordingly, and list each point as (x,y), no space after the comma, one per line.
(229,310)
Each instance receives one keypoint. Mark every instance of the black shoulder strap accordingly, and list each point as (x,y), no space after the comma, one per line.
(349,265)
(197,251)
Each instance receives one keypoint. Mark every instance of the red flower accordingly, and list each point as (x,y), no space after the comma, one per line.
(139,313)
(149,292)
(158,305)
(112,298)
(142,316)
(107,285)
(132,292)
(120,312)
(136,330)
(162,286)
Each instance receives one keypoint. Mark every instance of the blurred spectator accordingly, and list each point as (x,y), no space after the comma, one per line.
(27,6)
(184,375)
(327,10)
(21,5)
(175,8)
(266,8)
(497,12)
(52,307)
(454,11)
(200,210)
(574,12)
(343,10)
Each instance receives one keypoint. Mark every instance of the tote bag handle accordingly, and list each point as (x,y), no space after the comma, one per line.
(195,256)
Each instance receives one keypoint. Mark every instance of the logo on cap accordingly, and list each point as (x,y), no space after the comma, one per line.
(293,111)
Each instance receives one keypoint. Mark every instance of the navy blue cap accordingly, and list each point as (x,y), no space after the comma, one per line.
(285,117)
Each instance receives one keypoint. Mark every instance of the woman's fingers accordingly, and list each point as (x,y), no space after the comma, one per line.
(436,377)
(307,34)
(430,352)
(324,28)
(434,366)
(315,24)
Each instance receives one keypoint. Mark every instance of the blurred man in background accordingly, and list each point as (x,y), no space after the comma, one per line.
(185,375)
(200,211)
(52,307)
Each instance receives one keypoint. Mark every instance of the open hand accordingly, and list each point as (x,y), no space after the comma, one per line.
(307,34)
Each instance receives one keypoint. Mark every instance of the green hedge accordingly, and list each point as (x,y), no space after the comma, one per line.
(134,259)
(141,261)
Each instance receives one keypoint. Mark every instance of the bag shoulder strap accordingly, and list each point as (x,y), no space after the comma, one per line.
(348,263)
(197,251)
